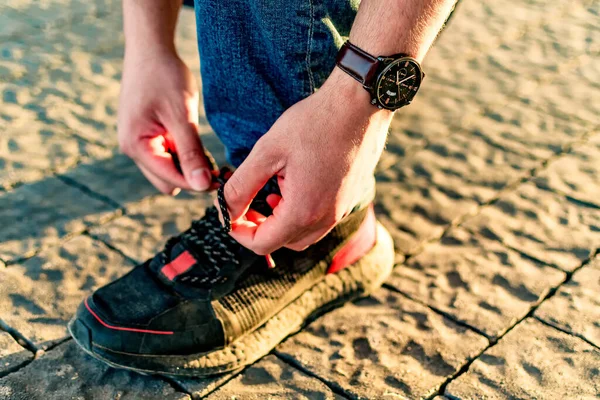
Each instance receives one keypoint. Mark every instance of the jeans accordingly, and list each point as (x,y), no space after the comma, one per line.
(260,57)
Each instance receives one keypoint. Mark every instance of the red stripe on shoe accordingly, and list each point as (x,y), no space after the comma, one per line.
(179,265)
(120,328)
(359,244)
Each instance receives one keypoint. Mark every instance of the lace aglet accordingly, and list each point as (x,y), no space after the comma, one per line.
(270,261)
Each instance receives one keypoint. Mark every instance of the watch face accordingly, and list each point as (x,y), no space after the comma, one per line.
(398,83)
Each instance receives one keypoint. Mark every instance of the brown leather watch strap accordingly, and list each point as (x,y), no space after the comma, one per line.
(358,64)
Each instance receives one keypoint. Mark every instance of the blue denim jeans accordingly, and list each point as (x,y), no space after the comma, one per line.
(260,57)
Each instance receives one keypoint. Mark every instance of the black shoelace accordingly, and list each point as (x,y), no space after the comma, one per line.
(209,241)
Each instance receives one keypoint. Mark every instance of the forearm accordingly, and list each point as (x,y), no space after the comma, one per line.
(385,27)
(149,25)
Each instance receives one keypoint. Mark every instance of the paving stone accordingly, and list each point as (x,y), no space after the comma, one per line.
(39,296)
(519,129)
(533,361)
(575,307)
(272,378)
(574,92)
(575,33)
(575,173)
(11,354)
(515,69)
(63,98)
(116,177)
(435,113)
(66,372)
(481,25)
(186,41)
(572,96)
(541,224)
(415,211)
(148,224)
(33,151)
(384,345)
(76,102)
(51,15)
(466,165)
(12,23)
(476,280)
(38,215)
(201,387)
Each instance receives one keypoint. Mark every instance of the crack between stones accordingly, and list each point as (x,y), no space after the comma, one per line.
(118,213)
(549,294)
(111,247)
(21,339)
(437,311)
(196,396)
(563,330)
(178,387)
(479,111)
(510,187)
(54,171)
(73,183)
(26,256)
(37,354)
(333,386)
(16,368)
(175,385)
(461,219)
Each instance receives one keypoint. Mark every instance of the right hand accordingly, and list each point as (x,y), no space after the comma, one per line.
(158,111)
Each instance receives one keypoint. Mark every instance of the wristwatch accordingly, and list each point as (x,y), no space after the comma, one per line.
(392,81)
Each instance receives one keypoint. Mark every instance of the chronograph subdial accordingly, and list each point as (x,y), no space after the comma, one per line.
(398,83)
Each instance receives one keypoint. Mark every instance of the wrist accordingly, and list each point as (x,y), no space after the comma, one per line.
(149,27)
(350,95)
(137,53)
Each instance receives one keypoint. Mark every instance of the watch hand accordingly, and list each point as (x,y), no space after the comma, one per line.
(397,77)
(405,79)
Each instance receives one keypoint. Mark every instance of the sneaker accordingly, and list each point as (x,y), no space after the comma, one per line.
(207,305)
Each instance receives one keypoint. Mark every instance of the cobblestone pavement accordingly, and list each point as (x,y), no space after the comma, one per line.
(490,187)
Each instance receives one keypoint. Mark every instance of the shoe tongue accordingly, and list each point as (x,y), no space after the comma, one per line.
(158,262)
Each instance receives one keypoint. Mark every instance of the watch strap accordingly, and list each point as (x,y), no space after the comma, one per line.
(357,63)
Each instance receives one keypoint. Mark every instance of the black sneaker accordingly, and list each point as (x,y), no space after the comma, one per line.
(207,305)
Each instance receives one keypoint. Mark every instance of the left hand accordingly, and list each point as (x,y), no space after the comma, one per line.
(324,150)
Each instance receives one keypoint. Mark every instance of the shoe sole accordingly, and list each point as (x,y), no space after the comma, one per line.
(357,280)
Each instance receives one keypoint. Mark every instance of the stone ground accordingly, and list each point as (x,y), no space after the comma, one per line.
(490,186)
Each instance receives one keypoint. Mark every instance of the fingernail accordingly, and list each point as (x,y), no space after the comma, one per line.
(200,179)
(175,192)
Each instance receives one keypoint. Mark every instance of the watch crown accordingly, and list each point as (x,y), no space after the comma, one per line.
(373,101)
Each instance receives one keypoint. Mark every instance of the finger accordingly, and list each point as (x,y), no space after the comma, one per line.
(255,217)
(241,188)
(273,200)
(152,154)
(273,233)
(162,186)
(194,162)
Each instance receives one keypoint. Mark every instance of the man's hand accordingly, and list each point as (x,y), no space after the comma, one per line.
(323,150)
(158,106)
(158,111)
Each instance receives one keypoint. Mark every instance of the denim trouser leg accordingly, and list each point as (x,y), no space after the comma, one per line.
(260,57)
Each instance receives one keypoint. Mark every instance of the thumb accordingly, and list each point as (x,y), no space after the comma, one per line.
(194,163)
(241,188)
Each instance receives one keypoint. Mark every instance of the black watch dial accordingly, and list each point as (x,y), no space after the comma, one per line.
(398,83)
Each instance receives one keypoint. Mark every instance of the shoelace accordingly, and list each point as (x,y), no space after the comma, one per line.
(210,240)
(211,243)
